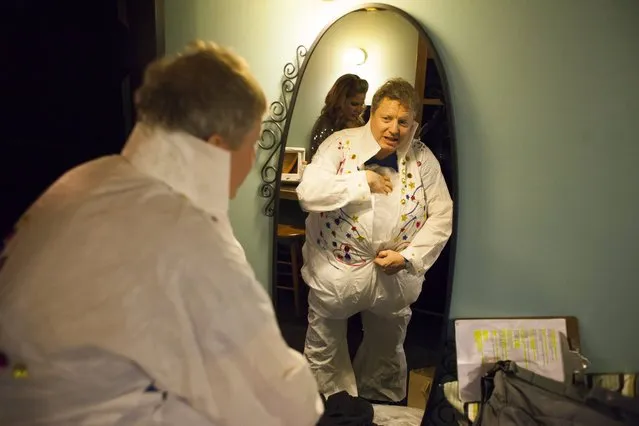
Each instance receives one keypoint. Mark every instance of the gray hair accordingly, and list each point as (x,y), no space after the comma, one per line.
(207,90)
(397,89)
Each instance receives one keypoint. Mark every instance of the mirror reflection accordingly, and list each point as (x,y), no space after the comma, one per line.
(343,109)
(361,270)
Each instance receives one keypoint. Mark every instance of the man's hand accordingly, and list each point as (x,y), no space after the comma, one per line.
(390,261)
(378,184)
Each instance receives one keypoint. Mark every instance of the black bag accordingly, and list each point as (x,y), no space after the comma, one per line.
(513,396)
(341,409)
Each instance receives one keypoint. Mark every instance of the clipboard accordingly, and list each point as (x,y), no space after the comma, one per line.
(543,344)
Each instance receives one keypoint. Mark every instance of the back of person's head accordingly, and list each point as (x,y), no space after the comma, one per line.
(206,90)
(345,87)
(397,89)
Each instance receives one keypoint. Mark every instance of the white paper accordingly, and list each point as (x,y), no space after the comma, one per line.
(534,344)
(392,415)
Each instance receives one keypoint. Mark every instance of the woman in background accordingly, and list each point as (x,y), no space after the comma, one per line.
(343,109)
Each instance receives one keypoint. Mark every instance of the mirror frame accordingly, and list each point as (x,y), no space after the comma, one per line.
(272,142)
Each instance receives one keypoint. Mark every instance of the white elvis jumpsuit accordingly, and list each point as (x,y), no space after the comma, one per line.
(126,273)
(346,228)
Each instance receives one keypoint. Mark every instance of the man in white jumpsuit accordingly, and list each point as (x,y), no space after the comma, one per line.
(380,215)
(125,298)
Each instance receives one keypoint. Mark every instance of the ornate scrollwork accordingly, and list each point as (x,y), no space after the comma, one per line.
(273,132)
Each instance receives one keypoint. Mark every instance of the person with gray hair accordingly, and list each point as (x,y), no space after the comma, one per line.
(379,216)
(125,298)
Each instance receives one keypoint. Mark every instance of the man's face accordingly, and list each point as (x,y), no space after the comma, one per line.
(391,124)
(242,159)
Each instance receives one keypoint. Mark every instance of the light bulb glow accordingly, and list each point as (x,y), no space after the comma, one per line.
(355,56)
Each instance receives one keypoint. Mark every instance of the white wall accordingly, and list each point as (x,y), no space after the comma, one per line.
(545,97)
(391,44)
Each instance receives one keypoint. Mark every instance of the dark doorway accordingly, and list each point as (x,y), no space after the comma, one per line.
(69,71)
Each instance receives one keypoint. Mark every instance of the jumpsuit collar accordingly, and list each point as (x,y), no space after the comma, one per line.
(190,166)
(368,146)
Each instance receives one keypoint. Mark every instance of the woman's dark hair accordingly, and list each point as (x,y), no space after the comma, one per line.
(332,117)
(345,87)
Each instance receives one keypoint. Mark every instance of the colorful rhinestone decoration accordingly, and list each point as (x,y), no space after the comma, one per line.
(342,234)
(20,371)
(412,199)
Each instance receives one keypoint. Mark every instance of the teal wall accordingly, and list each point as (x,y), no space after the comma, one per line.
(546,102)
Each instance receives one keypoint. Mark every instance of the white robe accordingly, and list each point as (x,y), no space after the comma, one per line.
(126,272)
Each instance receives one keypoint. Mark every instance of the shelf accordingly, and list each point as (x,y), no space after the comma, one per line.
(287,192)
(432,102)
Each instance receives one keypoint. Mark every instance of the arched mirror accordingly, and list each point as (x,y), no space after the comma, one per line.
(375,42)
